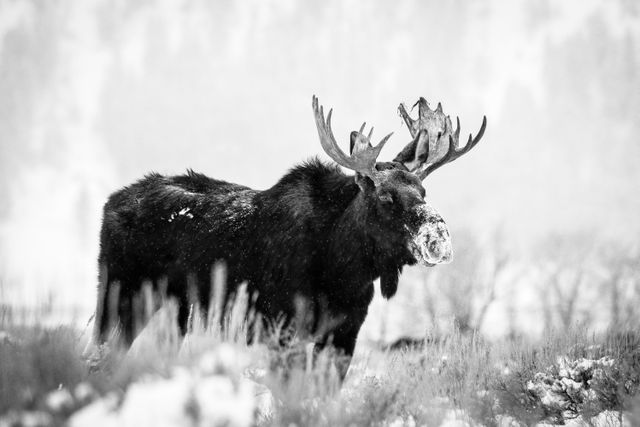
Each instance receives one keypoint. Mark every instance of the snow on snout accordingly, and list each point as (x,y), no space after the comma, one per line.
(431,244)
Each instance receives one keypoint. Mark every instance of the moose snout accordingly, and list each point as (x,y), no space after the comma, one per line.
(431,244)
(439,250)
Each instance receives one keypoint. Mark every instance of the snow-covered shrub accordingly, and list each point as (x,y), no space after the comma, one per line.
(573,387)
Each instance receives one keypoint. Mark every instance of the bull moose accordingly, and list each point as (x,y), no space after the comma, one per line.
(317,235)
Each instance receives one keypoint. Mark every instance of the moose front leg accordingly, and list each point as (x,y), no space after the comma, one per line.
(343,340)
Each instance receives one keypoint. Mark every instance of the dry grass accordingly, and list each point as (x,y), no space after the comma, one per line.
(48,372)
(460,374)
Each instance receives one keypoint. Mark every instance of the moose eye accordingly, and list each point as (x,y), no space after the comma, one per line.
(386,198)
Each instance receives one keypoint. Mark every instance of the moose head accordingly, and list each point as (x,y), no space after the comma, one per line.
(394,189)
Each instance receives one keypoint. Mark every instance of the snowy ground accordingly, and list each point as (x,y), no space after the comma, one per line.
(51,378)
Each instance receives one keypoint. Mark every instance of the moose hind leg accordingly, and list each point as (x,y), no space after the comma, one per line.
(101,315)
(108,314)
(178,288)
(126,316)
(115,313)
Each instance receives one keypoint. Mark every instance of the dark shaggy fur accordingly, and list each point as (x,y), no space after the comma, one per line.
(316,234)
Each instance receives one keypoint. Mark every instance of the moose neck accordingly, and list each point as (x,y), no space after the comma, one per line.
(355,256)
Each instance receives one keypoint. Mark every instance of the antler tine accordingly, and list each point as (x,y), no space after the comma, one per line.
(327,140)
(362,161)
(383,141)
(453,152)
(408,120)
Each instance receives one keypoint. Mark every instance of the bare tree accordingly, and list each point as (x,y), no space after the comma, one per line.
(621,281)
(467,288)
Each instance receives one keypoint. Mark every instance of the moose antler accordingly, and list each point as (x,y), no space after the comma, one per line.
(434,141)
(363,154)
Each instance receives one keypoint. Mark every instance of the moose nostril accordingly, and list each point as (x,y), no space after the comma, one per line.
(433,248)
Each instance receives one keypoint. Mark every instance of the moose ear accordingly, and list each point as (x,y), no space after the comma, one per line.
(364,182)
(389,282)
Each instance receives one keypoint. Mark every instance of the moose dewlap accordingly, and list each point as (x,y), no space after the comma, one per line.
(318,235)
